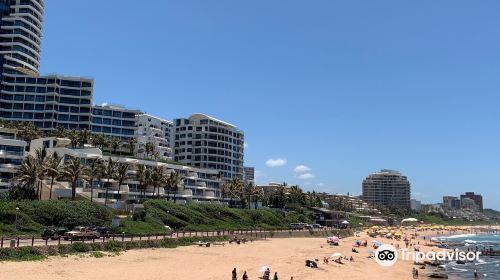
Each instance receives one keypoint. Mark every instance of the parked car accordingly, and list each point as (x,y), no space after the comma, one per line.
(296,226)
(53,232)
(308,226)
(317,226)
(103,231)
(81,233)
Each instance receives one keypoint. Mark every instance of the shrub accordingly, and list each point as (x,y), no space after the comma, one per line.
(79,247)
(113,246)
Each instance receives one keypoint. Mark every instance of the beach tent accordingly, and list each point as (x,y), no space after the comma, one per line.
(409,221)
(332,239)
(336,255)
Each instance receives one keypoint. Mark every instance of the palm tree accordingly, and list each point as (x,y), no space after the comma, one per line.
(131,145)
(142,176)
(225,189)
(235,189)
(73,170)
(84,136)
(53,170)
(149,148)
(258,194)
(28,175)
(109,172)
(114,144)
(158,179)
(59,132)
(173,182)
(94,171)
(121,174)
(41,160)
(74,137)
(99,141)
(28,132)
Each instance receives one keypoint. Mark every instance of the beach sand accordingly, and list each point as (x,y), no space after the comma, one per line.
(286,256)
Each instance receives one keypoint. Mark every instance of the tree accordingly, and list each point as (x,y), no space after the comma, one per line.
(131,145)
(74,137)
(59,132)
(27,175)
(94,171)
(248,192)
(99,141)
(84,136)
(73,170)
(143,175)
(109,173)
(258,195)
(225,189)
(297,196)
(114,144)
(173,182)
(158,179)
(41,161)
(235,189)
(28,132)
(53,169)
(121,174)
(149,148)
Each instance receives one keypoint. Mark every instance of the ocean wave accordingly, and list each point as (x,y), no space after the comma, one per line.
(470,241)
(459,269)
(458,236)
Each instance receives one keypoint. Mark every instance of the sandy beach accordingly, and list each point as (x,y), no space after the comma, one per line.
(286,256)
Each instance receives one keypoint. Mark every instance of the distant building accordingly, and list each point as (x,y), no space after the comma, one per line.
(12,151)
(451,202)
(206,142)
(388,188)
(415,204)
(156,131)
(477,198)
(249,174)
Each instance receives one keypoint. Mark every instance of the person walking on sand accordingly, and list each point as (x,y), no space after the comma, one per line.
(234,275)
(275,276)
(416,273)
(476,276)
(245,276)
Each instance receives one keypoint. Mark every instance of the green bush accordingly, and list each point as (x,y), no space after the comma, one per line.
(113,246)
(80,247)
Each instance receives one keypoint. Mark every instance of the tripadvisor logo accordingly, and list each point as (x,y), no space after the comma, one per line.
(387,255)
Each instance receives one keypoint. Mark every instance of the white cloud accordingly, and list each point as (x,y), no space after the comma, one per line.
(301,169)
(276,162)
(321,184)
(245,145)
(305,176)
(258,174)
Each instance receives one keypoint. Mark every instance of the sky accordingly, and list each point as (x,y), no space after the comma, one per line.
(325,91)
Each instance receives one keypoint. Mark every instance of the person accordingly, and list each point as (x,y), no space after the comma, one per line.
(351,259)
(234,275)
(416,273)
(267,274)
(245,276)
(413,273)
(476,276)
(275,276)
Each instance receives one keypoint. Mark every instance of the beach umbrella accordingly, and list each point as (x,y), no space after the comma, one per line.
(336,255)
(333,239)
(345,222)
(264,268)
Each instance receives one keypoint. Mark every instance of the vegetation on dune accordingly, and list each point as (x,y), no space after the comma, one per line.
(210,217)
(33,216)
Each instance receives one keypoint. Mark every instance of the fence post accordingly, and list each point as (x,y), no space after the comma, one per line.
(1,243)
(123,237)
(46,241)
(59,240)
(183,233)
(103,239)
(149,236)
(140,237)
(18,241)
(32,241)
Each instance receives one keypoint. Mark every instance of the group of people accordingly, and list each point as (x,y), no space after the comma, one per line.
(266,276)
(415,273)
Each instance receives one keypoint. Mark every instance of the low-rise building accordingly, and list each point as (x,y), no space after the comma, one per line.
(415,204)
(12,152)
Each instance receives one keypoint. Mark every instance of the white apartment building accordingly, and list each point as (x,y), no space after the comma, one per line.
(199,184)
(114,121)
(12,151)
(206,142)
(151,129)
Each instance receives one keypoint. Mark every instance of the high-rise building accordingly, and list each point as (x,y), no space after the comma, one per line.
(249,174)
(477,198)
(114,121)
(46,101)
(388,188)
(156,131)
(206,142)
(415,204)
(451,202)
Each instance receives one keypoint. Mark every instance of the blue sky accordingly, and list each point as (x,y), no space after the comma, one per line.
(344,88)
